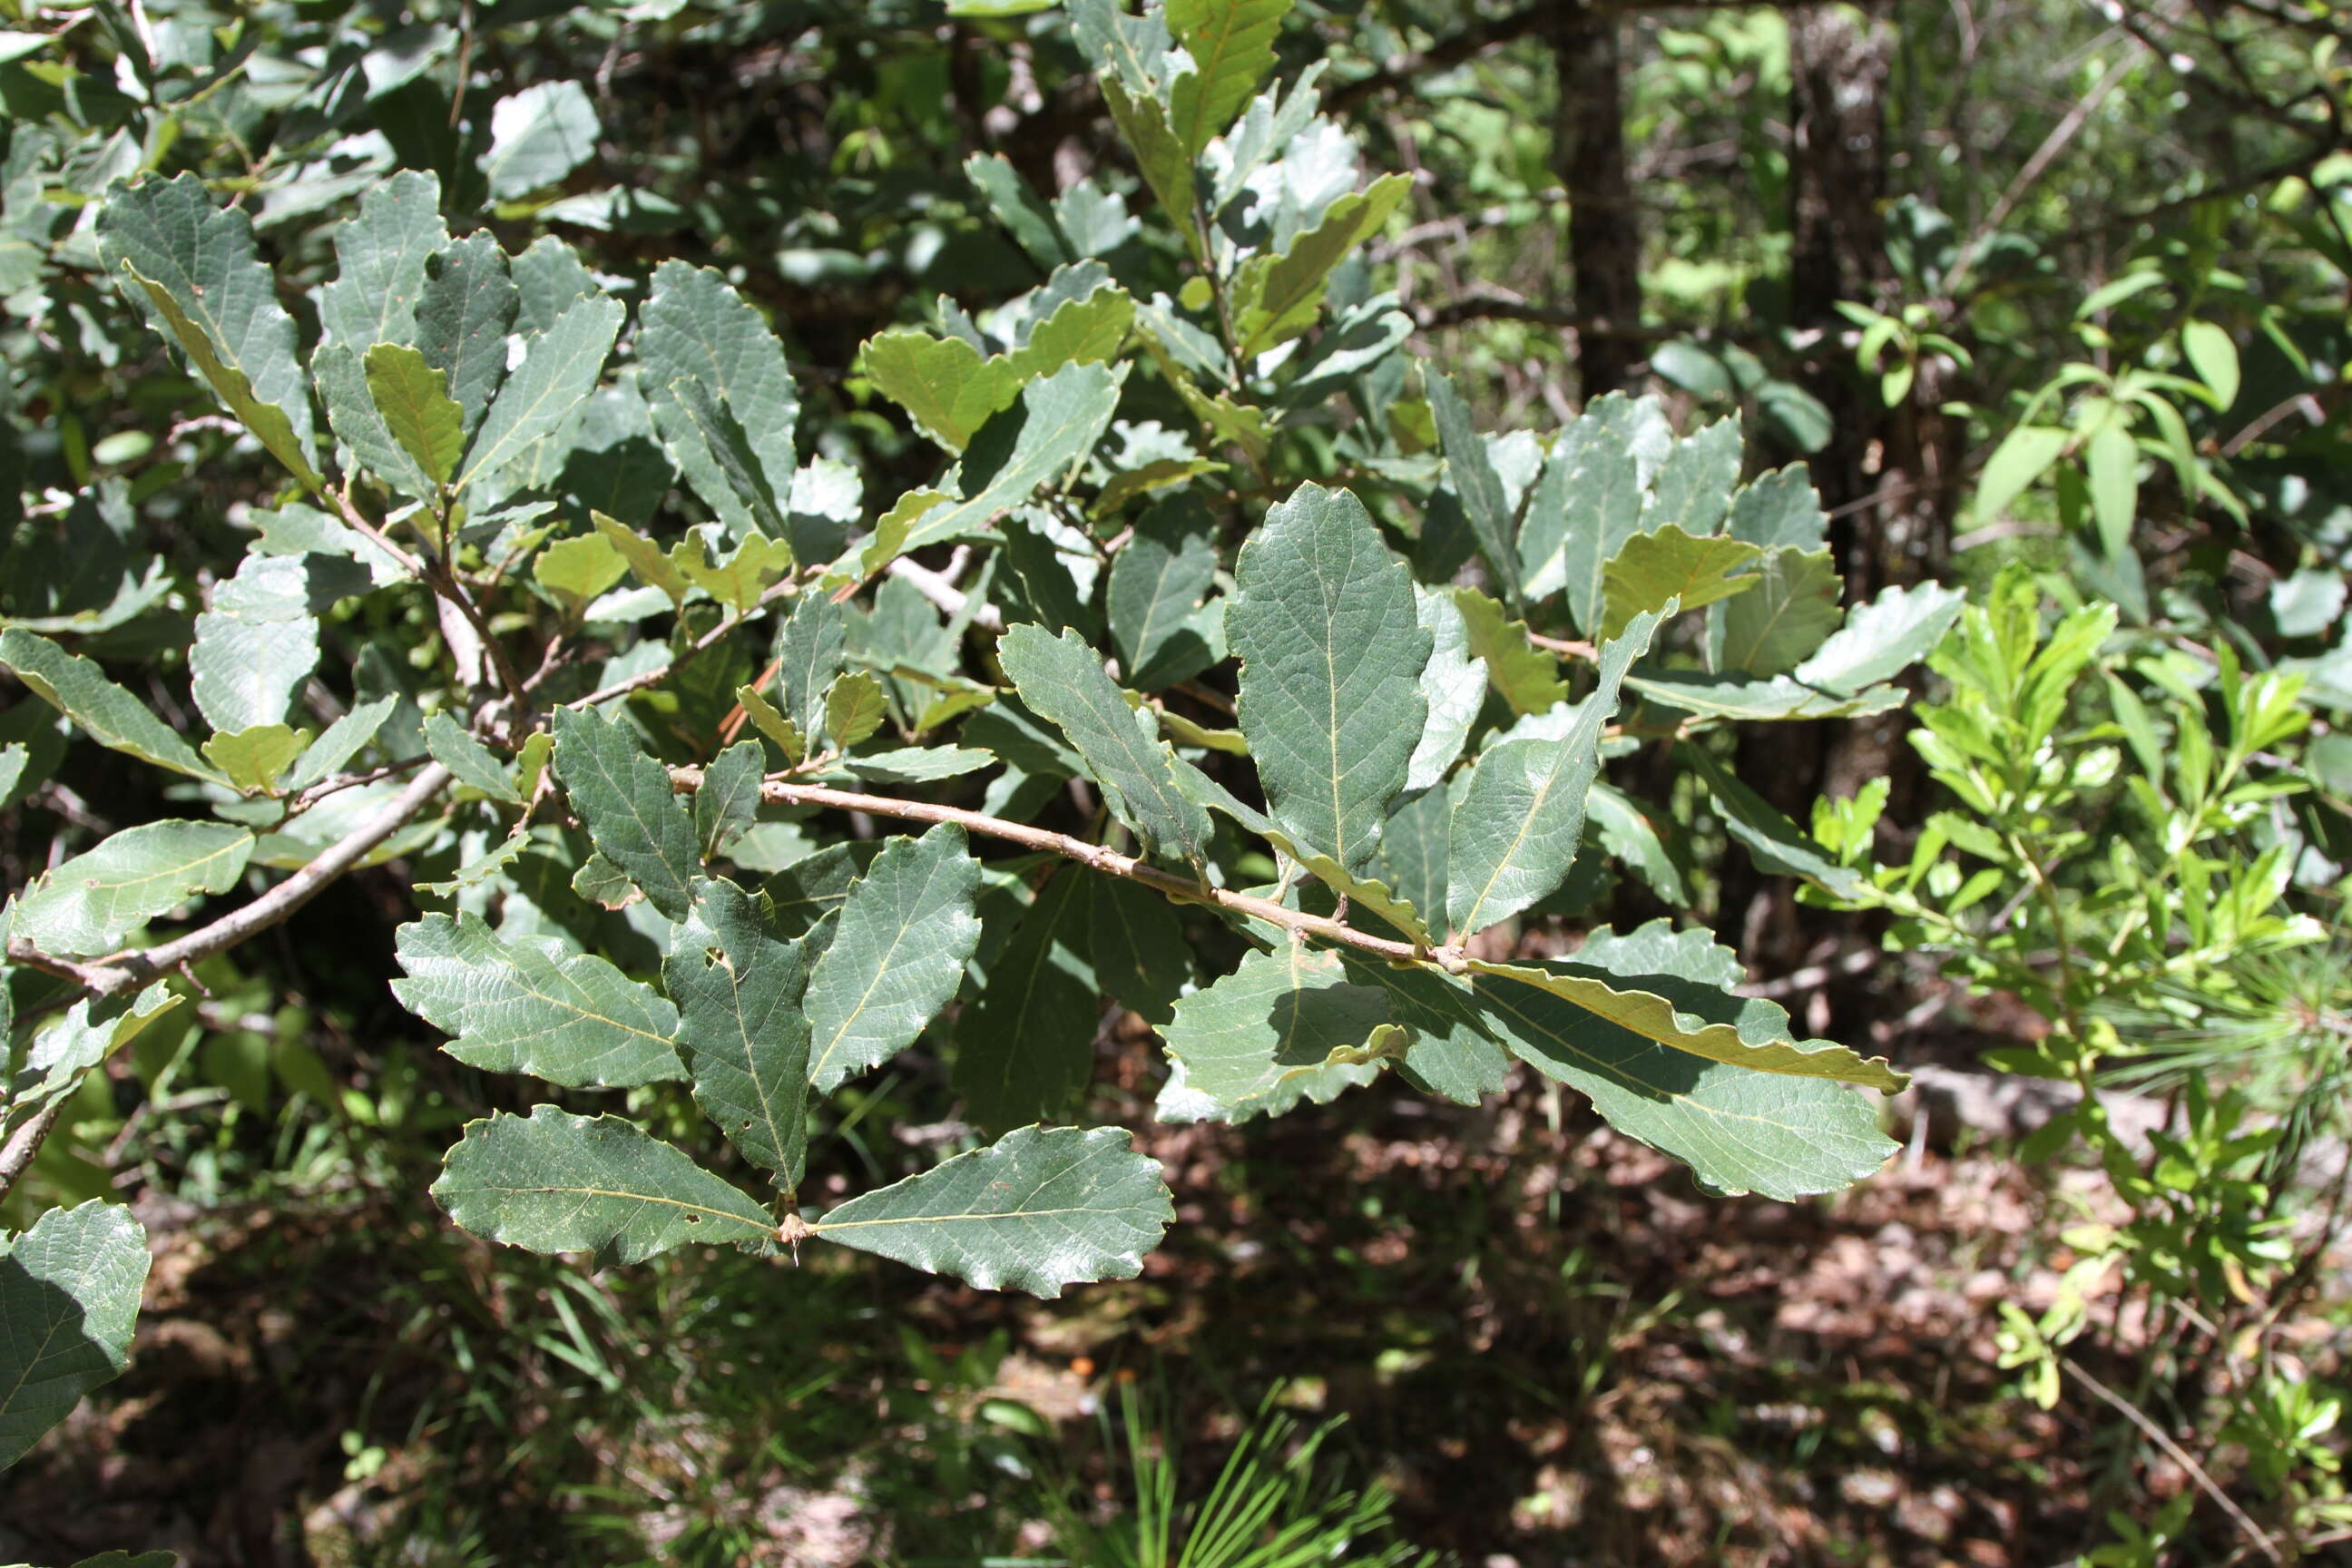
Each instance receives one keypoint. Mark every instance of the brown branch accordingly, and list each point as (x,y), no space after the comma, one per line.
(434,571)
(16,1156)
(126,972)
(780,791)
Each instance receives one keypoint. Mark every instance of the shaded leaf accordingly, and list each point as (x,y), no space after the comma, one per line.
(1284,1027)
(69,1296)
(77,687)
(1025,1045)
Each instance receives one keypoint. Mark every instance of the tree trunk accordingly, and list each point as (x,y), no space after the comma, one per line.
(1604,229)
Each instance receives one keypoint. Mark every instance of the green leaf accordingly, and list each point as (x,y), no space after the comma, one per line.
(469,760)
(195,266)
(1795,605)
(1884,637)
(1475,481)
(1024,1047)
(1413,849)
(253,759)
(1675,987)
(1332,650)
(809,653)
(340,742)
(1358,887)
(1016,207)
(1159,152)
(696,330)
(1286,1025)
(945,384)
(558,370)
(462,321)
(2214,356)
(69,1295)
(1780,511)
(64,1049)
(1670,564)
(1038,1209)
(88,904)
(624,801)
(738,989)
(548,278)
(1061,417)
(1277,298)
(351,412)
(77,687)
(1522,675)
(536,137)
(2111,462)
(259,640)
(553,1181)
(415,401)
(1087,328)
(646,560)
(1155,588)
(1588,502)
(1739,1131)
(743,577)
(903,936)
(380,257)
(855,707)
(1775,844)
(1784,696)
(519,1007)
(1518,823)
(1453,685)
(1061,679)
(1231,46)
(578,569)
(728,801)
(2024,457)
(1140,952)
(1693,487)
(1630,833)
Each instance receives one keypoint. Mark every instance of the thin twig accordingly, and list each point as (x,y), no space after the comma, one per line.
(26,1142)
(128,970)
(2179,1455)
(707,640)
(780,791)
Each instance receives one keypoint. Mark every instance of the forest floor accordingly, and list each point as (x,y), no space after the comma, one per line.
(1544,1339)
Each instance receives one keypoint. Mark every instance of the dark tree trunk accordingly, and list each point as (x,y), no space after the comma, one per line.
(1604,229)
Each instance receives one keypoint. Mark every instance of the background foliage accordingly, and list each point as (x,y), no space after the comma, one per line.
(875,576)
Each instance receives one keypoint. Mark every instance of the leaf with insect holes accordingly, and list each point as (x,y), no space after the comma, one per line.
(738,989)
(89,903)
(899,945)
(553,1181)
